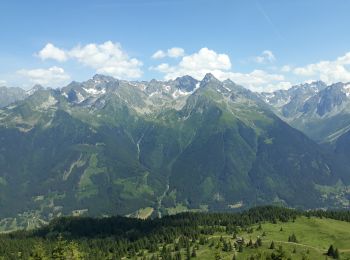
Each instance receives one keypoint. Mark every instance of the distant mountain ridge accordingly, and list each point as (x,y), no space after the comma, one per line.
(10,95)
(320,111)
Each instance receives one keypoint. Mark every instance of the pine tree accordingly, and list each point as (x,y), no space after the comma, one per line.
(227,246)
(292,238)
(259,227)
(250,243)
(38,252)
(330,251)
(193,254)
(259,242)
(272,246)
(178,256)
(58,252)
(218,255)
(188,252)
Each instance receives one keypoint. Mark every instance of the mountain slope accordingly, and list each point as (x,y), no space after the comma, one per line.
(107,146)
(10,95)
(242,152)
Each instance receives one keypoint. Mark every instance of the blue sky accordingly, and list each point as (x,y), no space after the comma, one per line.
(263,45)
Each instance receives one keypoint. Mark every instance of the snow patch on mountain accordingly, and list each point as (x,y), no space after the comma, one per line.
(95,92)
(346,89)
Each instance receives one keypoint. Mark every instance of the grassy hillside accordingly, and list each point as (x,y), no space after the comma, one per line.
(314,236)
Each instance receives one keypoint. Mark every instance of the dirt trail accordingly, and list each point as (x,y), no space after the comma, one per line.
(286,242)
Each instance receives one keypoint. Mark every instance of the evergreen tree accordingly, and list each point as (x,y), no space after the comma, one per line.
(259,227)
(178,256)
(218,255)
(58,252)
(280,253)
(38,252)
(330,251)
(188,252)
(227,247)
(193,254)
(292,238)
(259,242)
(250,243)
(272,246)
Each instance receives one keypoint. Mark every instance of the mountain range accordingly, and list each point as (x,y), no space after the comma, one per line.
(318,110)
(149,148)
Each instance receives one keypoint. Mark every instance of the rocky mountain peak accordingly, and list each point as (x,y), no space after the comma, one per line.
(208,78)
(186,83)
(99,78)
(34,89)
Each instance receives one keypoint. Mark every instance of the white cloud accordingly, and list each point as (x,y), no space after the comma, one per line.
(53,77)
(266,57)
(286,68)
(279,85)
(259,80)
(327,71)
(196,64)
(159,54)
(107,58)
(174,52)
(206,60)
(52,52)
(2,82)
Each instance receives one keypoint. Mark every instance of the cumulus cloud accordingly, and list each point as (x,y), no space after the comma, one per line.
(107,58)
(266,57)
(52,52)
(327,71)
(206,60)
(2,82)
(174,52)
(279,85)
(159,54)
(196,65)
(259,80)
(54,76)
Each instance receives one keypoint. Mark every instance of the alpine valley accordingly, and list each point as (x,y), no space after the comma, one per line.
(141,149)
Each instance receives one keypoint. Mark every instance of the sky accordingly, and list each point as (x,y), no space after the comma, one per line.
(261,44)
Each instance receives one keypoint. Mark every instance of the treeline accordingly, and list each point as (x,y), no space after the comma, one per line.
(332,214)
(133,229)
